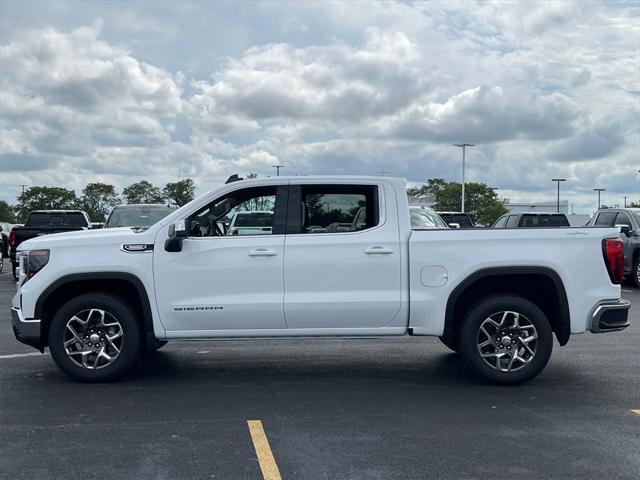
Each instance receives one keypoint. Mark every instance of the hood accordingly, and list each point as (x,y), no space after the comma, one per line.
(106,236)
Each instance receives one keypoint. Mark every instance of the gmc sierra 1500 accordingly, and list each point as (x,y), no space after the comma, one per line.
(340,259)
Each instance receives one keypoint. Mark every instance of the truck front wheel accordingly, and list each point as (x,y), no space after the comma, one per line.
(94,337)
(506,339)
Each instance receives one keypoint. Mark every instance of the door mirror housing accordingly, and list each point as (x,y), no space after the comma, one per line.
(454,225)
(177,232)
(178,229)
(626,229)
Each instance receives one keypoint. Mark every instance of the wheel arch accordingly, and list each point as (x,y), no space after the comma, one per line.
(542,285)
(122,284)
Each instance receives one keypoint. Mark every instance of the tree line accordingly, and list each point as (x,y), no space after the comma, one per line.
(481,201)
(97,199)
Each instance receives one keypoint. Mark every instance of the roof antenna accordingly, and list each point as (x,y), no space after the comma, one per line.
(233,178)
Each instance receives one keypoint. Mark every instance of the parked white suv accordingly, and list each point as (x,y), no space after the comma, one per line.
(97,299)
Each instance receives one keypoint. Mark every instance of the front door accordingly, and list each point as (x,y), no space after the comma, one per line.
(225,279)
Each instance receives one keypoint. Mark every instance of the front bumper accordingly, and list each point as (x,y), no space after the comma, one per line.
(610,317)
(26,331)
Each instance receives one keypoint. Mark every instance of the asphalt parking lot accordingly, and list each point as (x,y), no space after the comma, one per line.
(330,409)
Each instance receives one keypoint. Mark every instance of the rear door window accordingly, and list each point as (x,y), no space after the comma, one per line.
(338,208)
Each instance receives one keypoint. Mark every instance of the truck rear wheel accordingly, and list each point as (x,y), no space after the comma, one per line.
(94,338)
(506,340)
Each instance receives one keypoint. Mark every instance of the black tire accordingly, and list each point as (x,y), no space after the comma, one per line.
(114,309)
(492,367)
(451,345)
(636,272)
(14,271)
(1,262)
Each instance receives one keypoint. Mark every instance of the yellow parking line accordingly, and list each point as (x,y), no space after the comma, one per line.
(263,450)
(636,411)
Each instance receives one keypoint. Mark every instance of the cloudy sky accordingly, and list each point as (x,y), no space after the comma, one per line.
(123,91)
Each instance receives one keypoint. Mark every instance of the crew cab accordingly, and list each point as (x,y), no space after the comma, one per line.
(45,222)
(97,299)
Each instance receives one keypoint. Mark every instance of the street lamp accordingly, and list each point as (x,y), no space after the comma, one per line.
(598,190)
(278,167)
(464,147)
(558,180)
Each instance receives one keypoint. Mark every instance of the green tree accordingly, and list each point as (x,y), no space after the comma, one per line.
(97,199)
(7,212)
(42,198)
(481,201)
(143,192)
(181,192)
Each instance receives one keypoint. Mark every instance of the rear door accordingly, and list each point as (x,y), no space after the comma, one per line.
(342,257)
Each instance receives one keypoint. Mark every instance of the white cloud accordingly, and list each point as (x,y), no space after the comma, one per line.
(544,89)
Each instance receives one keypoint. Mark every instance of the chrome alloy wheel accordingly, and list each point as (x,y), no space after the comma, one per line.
(507,341)
(93,339)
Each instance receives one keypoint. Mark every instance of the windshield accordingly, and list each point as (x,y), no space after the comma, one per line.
(426,218)
(137,217)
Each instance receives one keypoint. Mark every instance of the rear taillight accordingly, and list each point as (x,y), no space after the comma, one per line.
(614,259)
(12,239)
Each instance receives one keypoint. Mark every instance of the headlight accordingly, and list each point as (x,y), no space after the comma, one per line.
(32,261)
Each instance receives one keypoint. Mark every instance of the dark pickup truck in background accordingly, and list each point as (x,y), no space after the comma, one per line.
(45,222)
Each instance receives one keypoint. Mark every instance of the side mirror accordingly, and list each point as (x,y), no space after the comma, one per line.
(454,225)
(626,229)
(178,229)
(177,232)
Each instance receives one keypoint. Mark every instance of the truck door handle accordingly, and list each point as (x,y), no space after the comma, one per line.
(262,252)
(378,250)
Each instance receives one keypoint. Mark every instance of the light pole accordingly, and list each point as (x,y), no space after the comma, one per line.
(558,180)
(598,190)
(625,201)
(464,148)
(278,167)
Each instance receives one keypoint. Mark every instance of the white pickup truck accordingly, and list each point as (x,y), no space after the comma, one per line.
(98,299)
